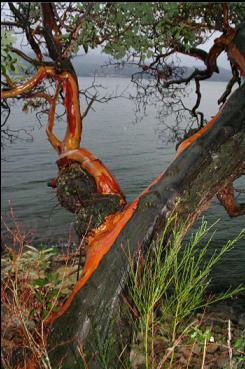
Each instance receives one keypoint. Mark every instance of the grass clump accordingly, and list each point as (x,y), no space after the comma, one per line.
(166,287)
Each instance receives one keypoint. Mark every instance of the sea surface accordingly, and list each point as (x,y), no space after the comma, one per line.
(134,152)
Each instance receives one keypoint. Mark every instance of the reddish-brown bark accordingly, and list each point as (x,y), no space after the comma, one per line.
(228,200)
(103,238)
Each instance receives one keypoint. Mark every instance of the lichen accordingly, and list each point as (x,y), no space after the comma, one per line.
(74,186)
(77,192)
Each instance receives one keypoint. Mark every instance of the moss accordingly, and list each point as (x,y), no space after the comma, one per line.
(77,192)
(94,211)
(74,186)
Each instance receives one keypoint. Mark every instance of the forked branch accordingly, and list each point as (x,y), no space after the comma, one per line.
(71,101)
(229,202)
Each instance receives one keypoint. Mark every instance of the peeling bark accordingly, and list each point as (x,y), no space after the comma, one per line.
(227,198)
(199,171)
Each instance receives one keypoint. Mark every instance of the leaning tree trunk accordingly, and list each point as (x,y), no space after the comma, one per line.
(194,177)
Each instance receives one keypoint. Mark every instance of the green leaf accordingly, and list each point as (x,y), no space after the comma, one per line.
(40,282)
(239,343)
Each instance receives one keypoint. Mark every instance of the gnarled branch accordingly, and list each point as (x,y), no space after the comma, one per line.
(227,198)
(71,101)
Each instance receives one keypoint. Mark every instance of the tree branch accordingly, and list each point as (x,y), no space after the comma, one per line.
(51,31)
(235,78)
(28,31)
(27,86)
(210,59)
(198,100)
(11,24)
(227,198)
(194,52)
(76,30)
(10,82)
(30,60)
(42,95)
(89,106)
(51,136)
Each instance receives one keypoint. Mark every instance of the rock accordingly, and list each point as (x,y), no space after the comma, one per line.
(183,361)
(136,357)
(196,349)
(241,320)
(212,347)
(160,343)
(222,311)
(222,361)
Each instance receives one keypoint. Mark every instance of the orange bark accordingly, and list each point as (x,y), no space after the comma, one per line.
(106,183)
(196,135)
(52,138)
(227,199)
(69,147)
(102,239)
(26,87)
(74,125)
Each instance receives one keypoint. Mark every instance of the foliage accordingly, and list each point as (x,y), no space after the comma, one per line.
(142,27)
(8,59)
(147,34)
(10,62)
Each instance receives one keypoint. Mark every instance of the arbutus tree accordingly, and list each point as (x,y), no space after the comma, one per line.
(205,164)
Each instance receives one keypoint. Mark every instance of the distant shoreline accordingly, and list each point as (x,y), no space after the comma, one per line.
(129,77)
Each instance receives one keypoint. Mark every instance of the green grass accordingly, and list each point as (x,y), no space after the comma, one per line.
(168,285)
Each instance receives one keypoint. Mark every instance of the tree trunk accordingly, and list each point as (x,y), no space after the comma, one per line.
(194,177)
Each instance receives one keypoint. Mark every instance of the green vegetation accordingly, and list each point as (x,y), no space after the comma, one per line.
(169,285)
(167,290)
(34,283)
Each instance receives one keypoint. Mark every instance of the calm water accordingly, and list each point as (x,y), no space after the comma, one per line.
(134,153)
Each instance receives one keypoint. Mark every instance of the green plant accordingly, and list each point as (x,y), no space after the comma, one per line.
(167,286)
(239,346)
(34,283)
(200,336)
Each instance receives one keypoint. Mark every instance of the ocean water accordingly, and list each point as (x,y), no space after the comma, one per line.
(133,152)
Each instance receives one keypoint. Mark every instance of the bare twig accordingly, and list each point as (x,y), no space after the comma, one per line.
(89,106)
(204,353)
(229,343)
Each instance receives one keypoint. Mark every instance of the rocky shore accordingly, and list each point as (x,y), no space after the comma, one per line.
(215,341)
